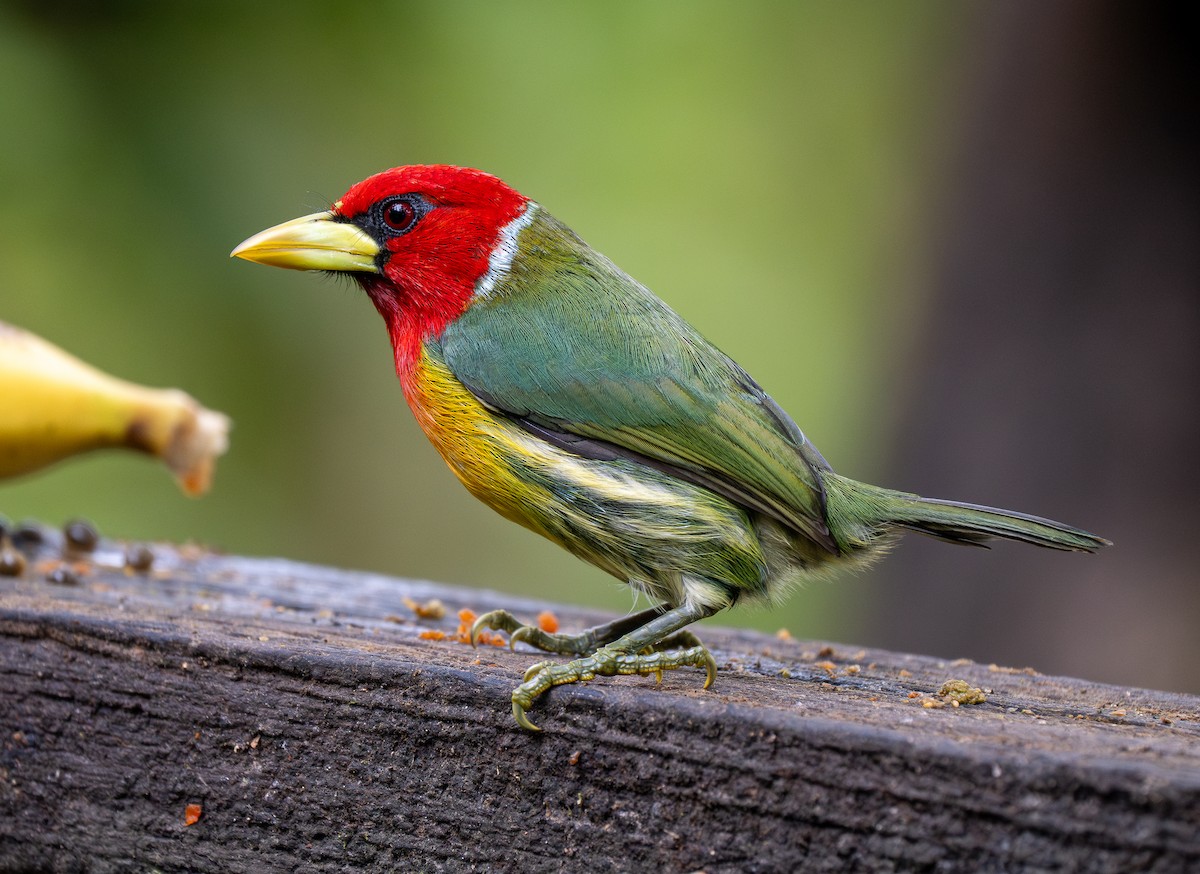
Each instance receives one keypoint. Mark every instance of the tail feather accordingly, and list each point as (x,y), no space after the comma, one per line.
(970,524)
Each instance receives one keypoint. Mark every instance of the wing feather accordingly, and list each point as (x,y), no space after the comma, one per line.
(579,353)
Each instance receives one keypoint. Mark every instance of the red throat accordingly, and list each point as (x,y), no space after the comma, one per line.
(430,272)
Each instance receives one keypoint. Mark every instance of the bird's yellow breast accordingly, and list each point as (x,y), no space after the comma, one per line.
(479,447)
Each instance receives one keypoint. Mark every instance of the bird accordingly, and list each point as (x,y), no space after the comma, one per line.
(573,401)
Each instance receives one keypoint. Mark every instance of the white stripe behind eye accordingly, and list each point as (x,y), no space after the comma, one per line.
(502,256)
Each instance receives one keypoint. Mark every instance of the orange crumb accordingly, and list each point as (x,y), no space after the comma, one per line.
(547,621)
(191,814)
(432,634)
(466,618)
(431,609)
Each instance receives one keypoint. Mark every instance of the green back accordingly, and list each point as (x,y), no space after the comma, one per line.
(569,342)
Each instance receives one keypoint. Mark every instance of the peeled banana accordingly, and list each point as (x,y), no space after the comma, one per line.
(52,405)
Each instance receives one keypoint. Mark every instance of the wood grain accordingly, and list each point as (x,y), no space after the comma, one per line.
(299,708)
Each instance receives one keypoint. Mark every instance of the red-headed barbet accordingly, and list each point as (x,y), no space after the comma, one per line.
(571,400)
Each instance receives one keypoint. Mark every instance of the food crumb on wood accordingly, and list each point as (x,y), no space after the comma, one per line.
(959,692)
(431,609)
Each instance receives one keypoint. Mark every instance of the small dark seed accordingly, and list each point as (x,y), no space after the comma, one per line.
(63,577)
(138,557)
(27,535)
(81,535)
(12,563)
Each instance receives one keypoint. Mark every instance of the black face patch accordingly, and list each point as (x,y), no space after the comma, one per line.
(393,216)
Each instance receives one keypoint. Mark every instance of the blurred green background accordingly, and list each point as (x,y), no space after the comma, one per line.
(773,170)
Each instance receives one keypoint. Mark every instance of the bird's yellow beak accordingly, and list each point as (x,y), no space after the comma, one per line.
(312,242)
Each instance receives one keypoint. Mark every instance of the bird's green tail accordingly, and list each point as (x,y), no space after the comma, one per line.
(858,512)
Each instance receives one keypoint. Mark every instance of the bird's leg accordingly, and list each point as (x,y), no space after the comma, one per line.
(583,643)
(634,653)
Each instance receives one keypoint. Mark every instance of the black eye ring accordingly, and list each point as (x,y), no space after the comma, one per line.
(398,215)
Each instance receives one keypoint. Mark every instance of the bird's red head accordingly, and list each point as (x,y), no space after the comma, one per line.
(436,227)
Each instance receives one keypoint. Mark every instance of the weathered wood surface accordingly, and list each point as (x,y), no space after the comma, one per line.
(299,708)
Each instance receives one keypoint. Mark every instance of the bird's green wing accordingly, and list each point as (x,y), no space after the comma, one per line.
(578,352)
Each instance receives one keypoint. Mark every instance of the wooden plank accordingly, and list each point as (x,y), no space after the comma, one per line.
(299,708)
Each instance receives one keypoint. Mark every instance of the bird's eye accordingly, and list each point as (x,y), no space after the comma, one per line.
(393,216)
(399,215)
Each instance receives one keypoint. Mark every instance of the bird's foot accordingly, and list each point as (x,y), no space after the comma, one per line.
(581,644)
(608,661)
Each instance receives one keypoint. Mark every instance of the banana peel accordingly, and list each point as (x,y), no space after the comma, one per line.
(52,405)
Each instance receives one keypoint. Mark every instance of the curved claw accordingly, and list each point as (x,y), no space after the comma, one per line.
(524,633)
(498,620)
(522,720)
(477,628)
(710,668)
